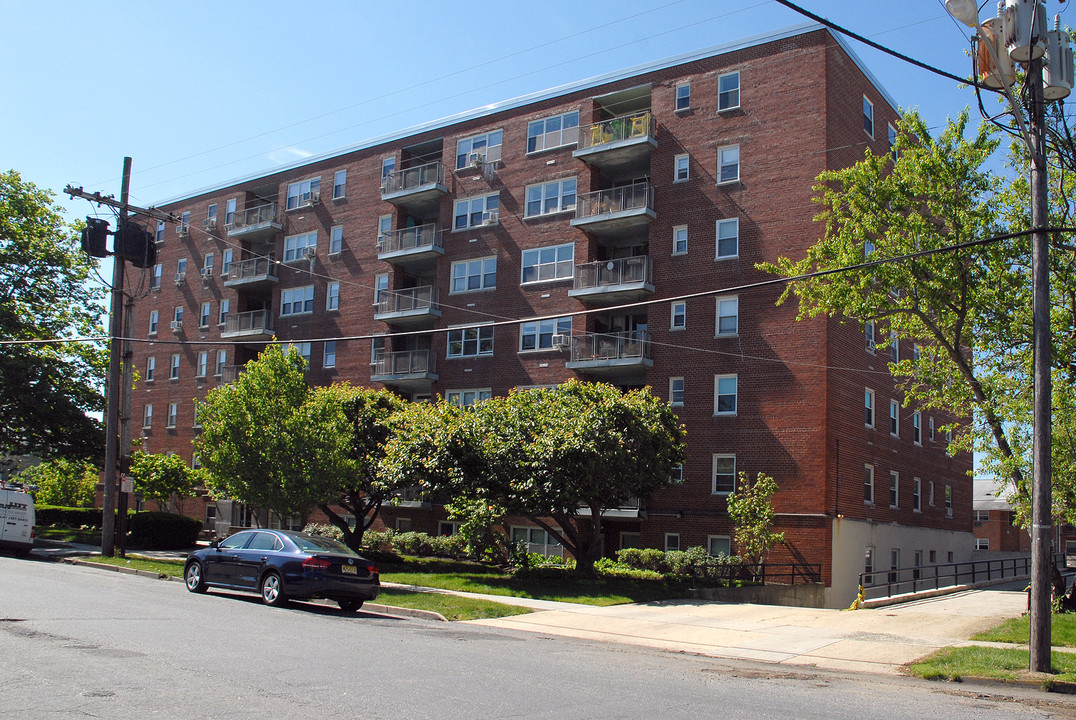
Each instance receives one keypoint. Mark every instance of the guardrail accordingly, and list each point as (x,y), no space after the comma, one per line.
(900,581)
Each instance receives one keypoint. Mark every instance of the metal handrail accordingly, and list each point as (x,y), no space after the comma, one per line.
(402,362)
(885,583)
(409,238)
(253,216)
(248,321)
(413,177)
(394,301)
(606,273)
(610,346)
(636,196)
(253,267)
(624,127)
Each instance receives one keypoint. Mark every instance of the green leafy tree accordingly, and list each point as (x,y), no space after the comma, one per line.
(751,509)
(68,483)
(47,291)
(163,479)
(480,521)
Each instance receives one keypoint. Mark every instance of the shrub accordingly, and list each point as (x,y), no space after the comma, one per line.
(644,559)
(162,531)
(377,540)
(325,530)
(69,517)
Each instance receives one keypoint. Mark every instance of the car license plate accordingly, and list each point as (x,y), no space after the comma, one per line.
(349,569)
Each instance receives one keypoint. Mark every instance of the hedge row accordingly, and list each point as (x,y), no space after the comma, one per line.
(148,530)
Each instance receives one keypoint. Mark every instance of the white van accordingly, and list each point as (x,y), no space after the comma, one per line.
(17,518)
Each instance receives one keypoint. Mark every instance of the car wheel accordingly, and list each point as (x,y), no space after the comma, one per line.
(194,578)
(349,606)
(273,590)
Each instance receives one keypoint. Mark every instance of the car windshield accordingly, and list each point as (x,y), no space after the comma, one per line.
(317,543)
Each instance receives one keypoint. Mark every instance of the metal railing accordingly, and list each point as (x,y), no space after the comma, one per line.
(411,299)
(413,177)
(260,215)
(403,362)
(252,321)
(230,373)
(766,573)
(611,346)
(412,238)
(603,202)
(899,581)
(608,273)
(625,127)
(254,267)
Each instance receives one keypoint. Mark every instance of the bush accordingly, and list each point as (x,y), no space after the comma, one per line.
(423,545)
(377,540)
(162,531)
(68,517)
(693,563)
(325,530)
(644,559)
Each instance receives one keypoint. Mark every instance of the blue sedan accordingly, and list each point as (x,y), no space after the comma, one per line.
(281,565)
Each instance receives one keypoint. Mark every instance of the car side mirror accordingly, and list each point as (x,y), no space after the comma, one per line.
(215,544)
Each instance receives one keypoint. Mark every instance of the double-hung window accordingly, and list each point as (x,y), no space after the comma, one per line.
(155,277)
(147,417)
(553,131)
(893,143)
(894,418)
(329,356)
(202,366)
(683,96)
(678,320)
(548,263)
(917,495)
(468,397)
(728,164)
(296,301)
(551,197)
(339,184)
(295,246)
(154,317)
(868,334)
(538,334)
(478,149)
(203,317)
(682,168)
(222,316)
(151,367)
(725,390)
(477,274)
(728,238)
(917,428)
(476,212)
(173,369)
(222,360)
(226,262)
(305,192)
(728,91)
(724,474)
(868,116)
(676,391)
(332,296)
(472,341)
(728,315)
(679,246)
(894,489)
(173,413)
(868,406)
(868,484)
(336,239)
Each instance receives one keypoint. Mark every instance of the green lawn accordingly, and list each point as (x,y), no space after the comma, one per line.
(76,535)
(985,662)
(1018,630)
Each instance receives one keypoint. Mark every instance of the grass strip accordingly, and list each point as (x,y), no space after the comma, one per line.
(985,662)
(1018,631)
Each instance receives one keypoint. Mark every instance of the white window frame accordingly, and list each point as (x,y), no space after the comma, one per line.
(303,193)
(294,245)
(466,335)
(721,234)
(207,263)
(870,341)
(714,489)
(555,196)
(931,425)
(229,212)
(724,99)
(681,168)
(202,365)
(465,397)
(332,296)
(562,268)
(948,501)
(892,136)
(151,368)
(155,277)
(894,489)
(222,360)
(473,271)
(541,332)
(340,184)
(488,143)
(727,307)
(917,495)
(173,367)
(177,313)
(894,418)
(728,159)
(222,313)
(868,565)
(173,415)
(550,139)
(930,495)
(336,239)
(154,321)
(870,408)
(297,301)
(226,260)
(682,97)
(328,355)
(917,428)
(982,543)
(678,315)
(721,539)
(159,237)
(722,384)
(672,542)
(679,240)
(868,484)
(676,391)
(206,313)
(472,209)
(147,416)
(868,117)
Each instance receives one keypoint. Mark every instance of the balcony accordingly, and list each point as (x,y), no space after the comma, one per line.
(418,189)
(613,281)
(617,211)
(619,144)
(408,370)
(619,355)
(412,307)
(230,373)
(255,272)
(412,246)
(254,223)
(252,325)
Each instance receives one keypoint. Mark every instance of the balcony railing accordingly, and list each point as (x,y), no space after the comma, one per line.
(253,219)
(638,196)
(410,240)
(230,373)
(415,300)
(246,271)
(254,322)
(611,346)
(403,362)
(413,178)
(627,127)
(612,273)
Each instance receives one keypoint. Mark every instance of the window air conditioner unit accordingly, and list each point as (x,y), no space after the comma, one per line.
(315,198)
(181,277)
(176,325)
(207,273)
(309,253)
(489,217)
(209,224)
(183,230)
(476,159)
(561,342)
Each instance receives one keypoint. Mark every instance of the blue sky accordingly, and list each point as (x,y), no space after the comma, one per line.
(200,93)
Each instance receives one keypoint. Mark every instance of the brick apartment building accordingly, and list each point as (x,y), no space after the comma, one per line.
(422,262)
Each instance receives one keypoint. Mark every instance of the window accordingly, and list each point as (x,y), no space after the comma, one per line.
(184,223)
(894,346)
(679,316)
(173,369)
(894,489)
(917,564)
(894,564)
(894,418)
(630,540)
(868,484)
(948,501)
(553,131)
(917,428)
(177,313)
(917,352)
(982,516)
(982,543)
(155,277)
(949,556)
(719,545)
(538,540)
(868,116)
(933,555)
(728,316)
(222,360)
(203,317)
(226,262)
(470,341)
(173,413)
(930,493)
(339,184)
(207,265)
(151,367)
(295,246)
(538,335)
(229,212)
(679,246)
(728,164)
(728,91)
(466,398)
(479,148)
(868,566)
(381,285)
(159,236)
(203,364)
(931,428)
(388,166)
(303,348)
(548,263)
(672,542)
(724,394)
(384,225)
(676,476)
(153,320)
(147,417)
(868,406)
(448,528)
(683,96)
(303,193)
(728,238)
(868,333)
(676,391)
(476,212)
(222,316)
(295,301)
(478,274)
(917,495)
(336,239)
(211,212)
(329,356)
(332,296)
(681,168)
(724,475)
(181,268)
(893,143)
(551,197)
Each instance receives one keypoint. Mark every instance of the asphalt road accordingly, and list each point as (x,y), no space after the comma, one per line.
(75,641)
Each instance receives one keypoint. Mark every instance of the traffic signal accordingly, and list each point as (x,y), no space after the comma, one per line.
(136,244)
(94,236)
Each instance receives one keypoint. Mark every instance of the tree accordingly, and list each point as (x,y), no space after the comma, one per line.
(47,292)
(68,483)
(560,457)
(163,479)
(751,509)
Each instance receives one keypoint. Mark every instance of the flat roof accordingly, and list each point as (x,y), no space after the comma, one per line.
(549,93)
